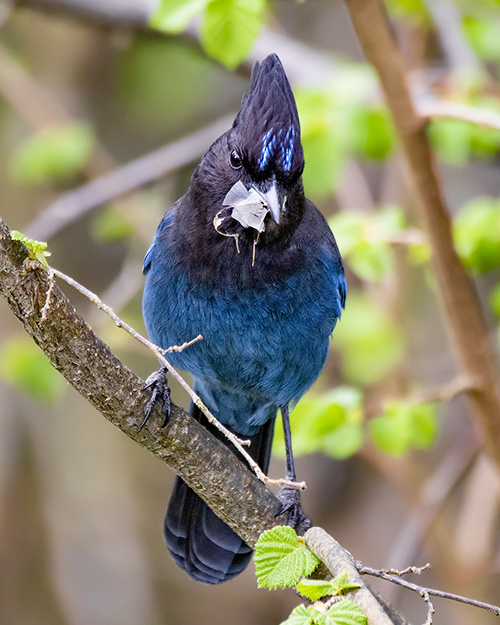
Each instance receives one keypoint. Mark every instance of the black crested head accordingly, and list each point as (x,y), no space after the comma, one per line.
(246,197)
(266,131)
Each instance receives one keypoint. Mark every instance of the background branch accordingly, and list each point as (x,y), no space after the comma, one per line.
(464,315)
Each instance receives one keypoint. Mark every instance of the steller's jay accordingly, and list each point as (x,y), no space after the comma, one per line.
(244,259)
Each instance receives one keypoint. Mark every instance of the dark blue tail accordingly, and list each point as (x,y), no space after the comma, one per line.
(200,543)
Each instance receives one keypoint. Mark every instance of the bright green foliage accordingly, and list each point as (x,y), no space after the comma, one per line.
(476,232)
(344,612)
(495,300)
(230,28)
(451,139)
(402,426)
(374,135)
(483,35)
(330,423)
(52,154)
(111,225)
(364,240)
(24,366)
(282,558)
(173,16)
(314,589)
(302,616)
(336,121)
(456,141)
(36,249)
(370,343)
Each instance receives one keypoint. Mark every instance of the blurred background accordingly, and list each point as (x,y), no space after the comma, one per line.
(392,460)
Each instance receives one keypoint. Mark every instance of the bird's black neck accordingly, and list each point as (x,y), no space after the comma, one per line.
(221,262)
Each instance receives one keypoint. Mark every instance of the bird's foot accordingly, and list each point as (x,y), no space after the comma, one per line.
(291,506)
(160,393)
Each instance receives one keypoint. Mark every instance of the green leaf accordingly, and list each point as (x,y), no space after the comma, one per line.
(343,442)
(36,249)
(24,366)
(341,584)
(483,36)
(173,16)
(370,343)
(451,139)
(375,135)
(301,616)
(315,589)
(111,225)
(282,558)
(476,231)
(372,261)
(230,28)
(365,240)
(54,153)
(316,420)
(345,612)
(402,426)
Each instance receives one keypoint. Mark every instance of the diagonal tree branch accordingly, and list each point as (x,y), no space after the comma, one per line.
(208,466)
(238,497)
(464,315)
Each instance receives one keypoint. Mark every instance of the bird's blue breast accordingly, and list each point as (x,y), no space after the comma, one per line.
(265,345)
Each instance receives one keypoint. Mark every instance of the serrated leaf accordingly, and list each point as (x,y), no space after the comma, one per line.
(315,589)
(173,16)
(300,616)
(345,612)
(230,28)
(282,558)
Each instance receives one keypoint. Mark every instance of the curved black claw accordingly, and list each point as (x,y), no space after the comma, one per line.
(290,505)
(161,393)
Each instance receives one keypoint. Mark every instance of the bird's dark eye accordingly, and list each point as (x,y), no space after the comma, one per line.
(235,159)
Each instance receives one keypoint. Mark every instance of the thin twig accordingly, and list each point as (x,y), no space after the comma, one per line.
(425,596)
(159,352)
(416,570)
(421,590)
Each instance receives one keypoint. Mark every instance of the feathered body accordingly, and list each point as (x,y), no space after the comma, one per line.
(265,302)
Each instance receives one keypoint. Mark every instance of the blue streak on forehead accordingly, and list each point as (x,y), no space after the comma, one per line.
(269,144)
(287,149)
(267,151)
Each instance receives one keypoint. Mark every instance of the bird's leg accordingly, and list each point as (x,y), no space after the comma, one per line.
(161,393)
(289,496)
